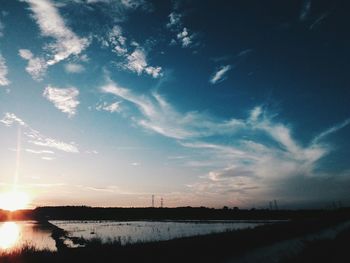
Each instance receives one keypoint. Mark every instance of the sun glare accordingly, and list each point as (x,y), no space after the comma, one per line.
(14,200)
(9,233)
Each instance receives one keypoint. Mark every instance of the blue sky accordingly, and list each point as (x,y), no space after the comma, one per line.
(106,102)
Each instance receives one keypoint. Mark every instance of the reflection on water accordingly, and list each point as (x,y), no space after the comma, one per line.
(16,235)
(146,231)
(9,234)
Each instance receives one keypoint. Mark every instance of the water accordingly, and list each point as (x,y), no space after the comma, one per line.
(17,234)
(146,231)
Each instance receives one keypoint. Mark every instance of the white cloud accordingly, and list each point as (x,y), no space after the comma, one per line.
(112,107)
(47,158)
(36,66)
(39,151)
(160,117)
(182,35)
(55,144)
(117,41)
(185,38)
(74,68)
(135,4)
(52,25)
(36,138)
(219,75)
(136,62)
(174,20)
(3,72)
(65,100)
(247,163)
(10,118)
(255,166)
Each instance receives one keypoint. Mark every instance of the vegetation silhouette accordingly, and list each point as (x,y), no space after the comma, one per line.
(209,248)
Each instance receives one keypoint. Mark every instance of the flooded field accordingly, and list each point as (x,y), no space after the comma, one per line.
(146,231)
(15,235)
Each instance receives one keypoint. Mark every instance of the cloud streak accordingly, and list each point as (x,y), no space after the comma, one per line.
(52,25)
(4,81)
(112,107)
(160,117)
(66,100)
(36,138)
(248,164)
(220,74)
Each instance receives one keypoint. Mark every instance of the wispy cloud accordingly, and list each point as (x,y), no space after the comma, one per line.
(112,107)
(47,158)
(36,66)
(136,4)
(55,144)
(1,29)
(51,24)
(4,81)
(66,100)
(183,35)
(219,75)
(185,38)
(116,41)
(74,68)
(39,151)
(319,20)
(248,164)
(331,130)
(305,10)
(174,20)
(133,55)
(256,165)
(160,117)
(136,62)
(36,138)
(10,118)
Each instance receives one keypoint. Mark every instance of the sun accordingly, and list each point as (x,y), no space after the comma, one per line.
(14,200)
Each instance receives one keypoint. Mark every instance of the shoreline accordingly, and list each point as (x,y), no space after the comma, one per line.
(223,247)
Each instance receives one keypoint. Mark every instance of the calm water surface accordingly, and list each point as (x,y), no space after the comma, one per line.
(146,231)
(14,235)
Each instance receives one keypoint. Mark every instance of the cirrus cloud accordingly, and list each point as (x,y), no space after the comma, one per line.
(66,100)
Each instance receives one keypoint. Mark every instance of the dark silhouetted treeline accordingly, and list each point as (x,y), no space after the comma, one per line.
(180,213)
(223,247)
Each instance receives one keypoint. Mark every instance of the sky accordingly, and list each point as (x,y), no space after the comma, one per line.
(201,103)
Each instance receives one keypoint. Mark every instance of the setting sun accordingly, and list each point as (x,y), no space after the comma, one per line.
(13,200)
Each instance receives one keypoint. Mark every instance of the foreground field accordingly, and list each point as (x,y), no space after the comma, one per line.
(225,247)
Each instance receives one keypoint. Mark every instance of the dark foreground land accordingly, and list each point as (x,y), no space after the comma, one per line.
(225,247)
